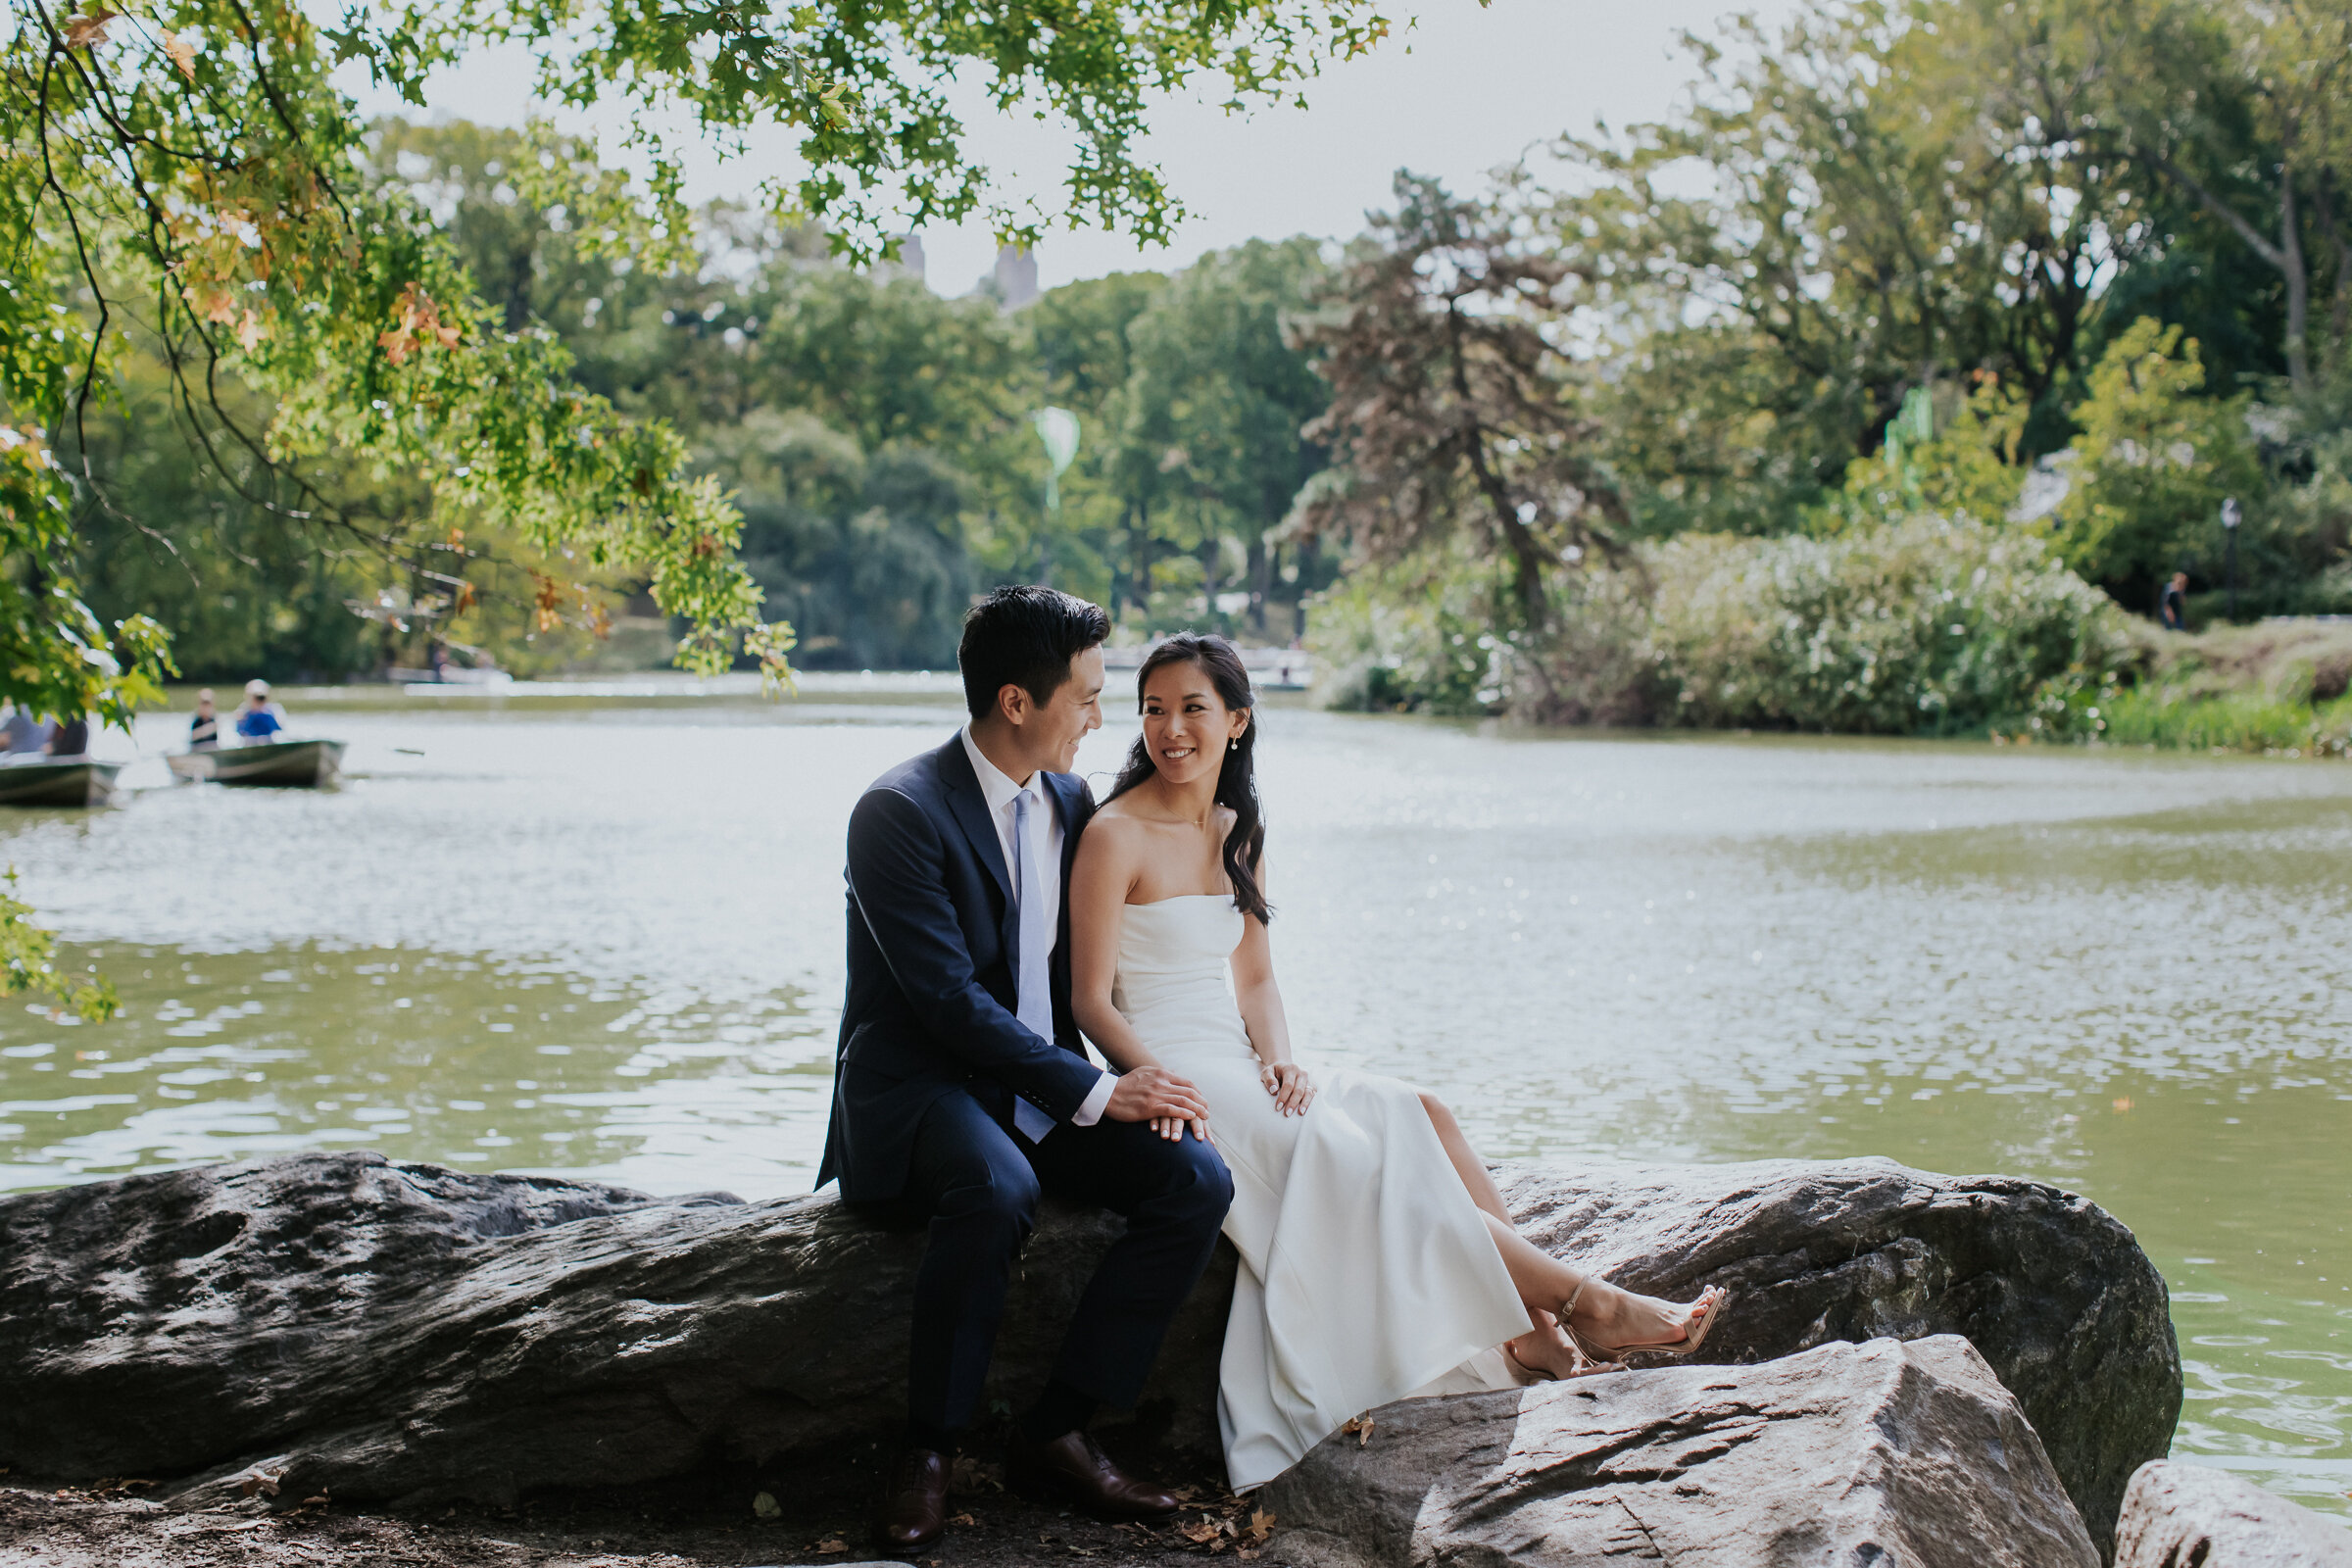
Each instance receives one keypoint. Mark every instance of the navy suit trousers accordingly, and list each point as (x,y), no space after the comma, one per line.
(975,1184)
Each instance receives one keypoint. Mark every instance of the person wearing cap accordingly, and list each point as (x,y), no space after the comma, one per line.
(260,720)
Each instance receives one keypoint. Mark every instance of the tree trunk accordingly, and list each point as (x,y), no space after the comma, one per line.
(2298,282)
(1210,557)
(2339,314)
(1140,538)
(1261,580)
(2286,256)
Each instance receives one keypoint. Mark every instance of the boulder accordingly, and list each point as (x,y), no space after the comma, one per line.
(1886,1452)
(2194,1516)
(396,1331)
(2052,1290)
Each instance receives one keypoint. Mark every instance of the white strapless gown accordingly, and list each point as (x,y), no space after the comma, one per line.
(1367,1274)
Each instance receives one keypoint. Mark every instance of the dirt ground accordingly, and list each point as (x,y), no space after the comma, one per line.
(746,1520)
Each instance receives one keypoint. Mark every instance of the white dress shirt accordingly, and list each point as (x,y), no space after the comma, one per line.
(1045,827)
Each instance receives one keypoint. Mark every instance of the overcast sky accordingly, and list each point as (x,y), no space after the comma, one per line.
(1467,89)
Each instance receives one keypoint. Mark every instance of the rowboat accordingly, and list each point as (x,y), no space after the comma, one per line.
(454,676)
(296,765)
(71,781)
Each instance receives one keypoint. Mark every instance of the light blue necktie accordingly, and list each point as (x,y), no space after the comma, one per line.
(1036,984)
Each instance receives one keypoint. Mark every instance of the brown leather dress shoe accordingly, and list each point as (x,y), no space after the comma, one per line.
(915,1509)
(1074,1469)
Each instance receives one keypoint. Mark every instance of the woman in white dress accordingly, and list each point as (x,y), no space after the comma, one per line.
(1378,1260)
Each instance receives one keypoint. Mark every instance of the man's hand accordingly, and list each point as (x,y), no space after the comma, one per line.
(1160,1098)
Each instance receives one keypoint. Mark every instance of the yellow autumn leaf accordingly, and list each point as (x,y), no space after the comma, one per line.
(182,53)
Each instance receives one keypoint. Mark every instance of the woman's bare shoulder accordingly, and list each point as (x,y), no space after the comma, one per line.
(1112,830)
(1115,816)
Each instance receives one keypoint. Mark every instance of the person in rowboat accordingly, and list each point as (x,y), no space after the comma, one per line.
(261,720)
(22,732)
(204,731)
(70,738)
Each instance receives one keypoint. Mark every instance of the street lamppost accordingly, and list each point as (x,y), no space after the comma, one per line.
(2229,517)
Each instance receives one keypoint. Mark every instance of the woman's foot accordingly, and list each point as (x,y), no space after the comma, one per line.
(1546,1353)
(1611,1322)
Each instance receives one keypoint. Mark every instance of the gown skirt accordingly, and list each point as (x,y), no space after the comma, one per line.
(1367,1273)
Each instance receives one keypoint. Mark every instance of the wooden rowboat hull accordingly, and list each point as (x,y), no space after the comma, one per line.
(283,764)
(57,783)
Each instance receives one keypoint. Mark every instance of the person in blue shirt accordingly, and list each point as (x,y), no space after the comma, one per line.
(259,719)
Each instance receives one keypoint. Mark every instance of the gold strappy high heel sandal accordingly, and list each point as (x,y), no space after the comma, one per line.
(1582,1365)
(1708,1307)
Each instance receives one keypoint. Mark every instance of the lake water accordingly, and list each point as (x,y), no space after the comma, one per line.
(600,932)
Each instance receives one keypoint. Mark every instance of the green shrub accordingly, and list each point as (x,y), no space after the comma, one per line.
(1925,626)
(2154,461)
(1412,643)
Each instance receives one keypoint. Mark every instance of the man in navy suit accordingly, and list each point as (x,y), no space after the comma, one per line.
(962,1087)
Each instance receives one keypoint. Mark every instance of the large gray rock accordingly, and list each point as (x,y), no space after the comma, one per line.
(1883,1453)
(2194,1516)
(2052,1290)
(406,1332)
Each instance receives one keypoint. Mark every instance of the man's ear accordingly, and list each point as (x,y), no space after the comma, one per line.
(1012,702)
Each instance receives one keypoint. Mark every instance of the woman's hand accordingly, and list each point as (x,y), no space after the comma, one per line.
(1173,1127)
(1290,1086)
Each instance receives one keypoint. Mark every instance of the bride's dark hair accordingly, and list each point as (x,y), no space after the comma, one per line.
(1237,778)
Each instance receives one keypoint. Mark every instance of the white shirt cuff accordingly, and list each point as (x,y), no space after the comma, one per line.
(1090,1112)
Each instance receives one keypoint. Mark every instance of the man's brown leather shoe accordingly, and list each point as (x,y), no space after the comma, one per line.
(1074,1469)
(914,1510)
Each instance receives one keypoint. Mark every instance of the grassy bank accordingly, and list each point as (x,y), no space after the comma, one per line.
(2277,689)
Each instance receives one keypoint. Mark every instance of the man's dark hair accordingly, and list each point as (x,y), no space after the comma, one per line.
(1024,636)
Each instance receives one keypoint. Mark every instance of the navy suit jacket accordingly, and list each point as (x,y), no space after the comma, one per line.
(934,953)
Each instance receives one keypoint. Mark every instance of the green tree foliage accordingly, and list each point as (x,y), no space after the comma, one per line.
(1211,417)
(1964,465)
(1886,194)
(2241,107)
(1939,220)
(29,964)
(2153,465)
(1192,394)
(1112,493)
(182,180)
(873,436)
(1450,410)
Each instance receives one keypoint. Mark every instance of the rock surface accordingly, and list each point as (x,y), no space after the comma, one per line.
(2194,1516)
(1882,1453)
(400,1332)
(2050,1288)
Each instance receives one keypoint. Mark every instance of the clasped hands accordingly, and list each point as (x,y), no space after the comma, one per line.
(1173,1104)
